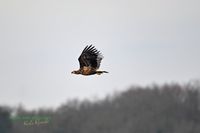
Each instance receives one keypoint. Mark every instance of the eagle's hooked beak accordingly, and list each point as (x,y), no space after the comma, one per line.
(73,72)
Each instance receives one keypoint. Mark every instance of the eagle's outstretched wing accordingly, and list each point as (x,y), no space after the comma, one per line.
(90,57)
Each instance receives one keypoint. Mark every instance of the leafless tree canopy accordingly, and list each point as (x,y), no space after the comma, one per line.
(169,108)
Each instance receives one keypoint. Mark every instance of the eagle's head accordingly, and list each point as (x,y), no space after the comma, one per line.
(75,72)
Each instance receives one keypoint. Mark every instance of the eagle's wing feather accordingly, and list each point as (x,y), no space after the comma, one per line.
(90,57)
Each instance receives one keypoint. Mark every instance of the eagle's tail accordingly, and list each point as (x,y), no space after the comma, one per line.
(100,72)
(104,71)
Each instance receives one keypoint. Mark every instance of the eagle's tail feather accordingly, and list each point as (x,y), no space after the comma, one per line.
(100,72)
(104,71)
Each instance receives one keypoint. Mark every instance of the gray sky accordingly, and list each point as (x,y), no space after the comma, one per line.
(143,41)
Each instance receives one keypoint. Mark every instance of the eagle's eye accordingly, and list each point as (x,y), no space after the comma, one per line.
(73,72)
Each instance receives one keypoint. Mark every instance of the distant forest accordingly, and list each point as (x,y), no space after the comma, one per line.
(167,108)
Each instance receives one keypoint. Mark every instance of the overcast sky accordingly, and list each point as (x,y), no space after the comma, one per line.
(143,42)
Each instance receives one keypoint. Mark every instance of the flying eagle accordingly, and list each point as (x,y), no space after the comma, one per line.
(89,60)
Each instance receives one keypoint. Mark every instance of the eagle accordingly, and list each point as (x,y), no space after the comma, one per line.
(89,61)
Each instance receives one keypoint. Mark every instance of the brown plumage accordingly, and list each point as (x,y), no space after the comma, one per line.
(89,60)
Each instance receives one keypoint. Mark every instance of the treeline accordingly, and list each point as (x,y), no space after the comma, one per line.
(170,108)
